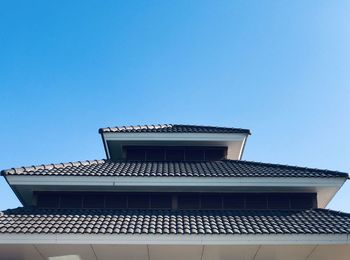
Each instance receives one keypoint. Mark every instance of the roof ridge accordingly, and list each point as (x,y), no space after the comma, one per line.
(286,166)
(50,166)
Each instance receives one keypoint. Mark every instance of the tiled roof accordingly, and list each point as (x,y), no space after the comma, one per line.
(224,168)
(51,221)
(172,128)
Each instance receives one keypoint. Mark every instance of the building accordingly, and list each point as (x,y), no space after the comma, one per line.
(173,192)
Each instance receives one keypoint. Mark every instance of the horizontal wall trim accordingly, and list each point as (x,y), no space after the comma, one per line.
(175,239)
(175,181)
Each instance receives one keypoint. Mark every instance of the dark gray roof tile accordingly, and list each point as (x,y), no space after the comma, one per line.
(59,221)
(173,128)
(224,168)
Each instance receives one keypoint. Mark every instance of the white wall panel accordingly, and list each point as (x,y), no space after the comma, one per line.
(175,252)
(67,252)
(116,252)
(229,252)
(283,252)
(19,252)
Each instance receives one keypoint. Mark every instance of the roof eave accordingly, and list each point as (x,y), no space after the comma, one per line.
(177,239)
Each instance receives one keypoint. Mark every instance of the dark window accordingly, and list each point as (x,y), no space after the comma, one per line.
(233,201)
(175,155)
(160,201)
(256,201)
(277,201)
(211,202)
(135,155)
(139,201)
(188,201)
(155,155)
(72,200)
(301,202)
(94,201)
(215,154)
(116,201)
(164,200)
(194,155)
(48,200)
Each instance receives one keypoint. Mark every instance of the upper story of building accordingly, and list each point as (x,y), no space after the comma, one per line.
(171,142)
(174,167)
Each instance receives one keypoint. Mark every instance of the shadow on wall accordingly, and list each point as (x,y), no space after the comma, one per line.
(65,257)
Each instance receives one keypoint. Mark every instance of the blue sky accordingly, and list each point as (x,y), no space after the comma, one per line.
(280,68)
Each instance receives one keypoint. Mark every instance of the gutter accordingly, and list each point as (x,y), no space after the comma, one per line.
(176,239)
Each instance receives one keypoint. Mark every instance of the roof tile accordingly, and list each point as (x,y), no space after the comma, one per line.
(60,221)
(224,168)
(172,128)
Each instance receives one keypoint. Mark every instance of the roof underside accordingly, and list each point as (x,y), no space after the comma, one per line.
(224,168)
(172,128)
(48,221)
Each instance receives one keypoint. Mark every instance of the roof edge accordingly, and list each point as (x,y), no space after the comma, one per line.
(202,211)
(50,166)
(18,170)
(150,127)
(345,174)
(176,239)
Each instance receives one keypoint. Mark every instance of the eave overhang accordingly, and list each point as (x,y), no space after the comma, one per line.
(63,249)
(325,188)
(114,142)
(150,239)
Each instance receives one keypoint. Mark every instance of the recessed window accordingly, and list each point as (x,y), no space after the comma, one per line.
(194,155)
(175,155)
(301,202)
(95,201)
(214,154)
(188,201)
(161,201)
(234,201)
(139,201)
(256,201)
(48,200)
(135,155)
(278,202)
(168,200)
(155,155)
(211,202)
(70,201)
(116,201)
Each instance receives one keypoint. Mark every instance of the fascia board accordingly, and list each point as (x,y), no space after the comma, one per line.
(173,137)
(152,239)
(242,147)
(18,195)
(105,146)
(175,181)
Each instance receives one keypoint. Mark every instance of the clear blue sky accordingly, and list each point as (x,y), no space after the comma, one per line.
(280,68)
